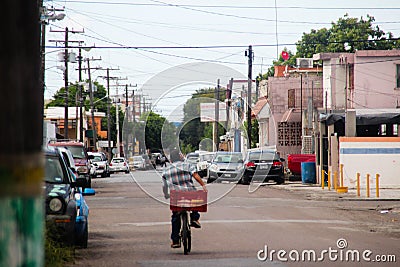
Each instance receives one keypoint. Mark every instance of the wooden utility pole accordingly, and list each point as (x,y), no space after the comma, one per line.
(108,110)
(66,60)
(21,117)
(94,128)
(250,55)
(216,122)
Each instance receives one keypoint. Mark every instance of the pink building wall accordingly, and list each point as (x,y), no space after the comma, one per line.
(375,79)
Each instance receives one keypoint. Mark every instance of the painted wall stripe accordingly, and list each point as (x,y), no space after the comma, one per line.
(392,150)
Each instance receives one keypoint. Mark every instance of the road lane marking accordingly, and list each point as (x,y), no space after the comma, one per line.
(146,224)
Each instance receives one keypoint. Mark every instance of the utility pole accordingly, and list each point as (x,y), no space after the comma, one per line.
(108,110)
(45,17)
(21,158)
(126,130)
(117,115)
(94,127)
(66,59)
(216,122)
(80,96)
(249,53)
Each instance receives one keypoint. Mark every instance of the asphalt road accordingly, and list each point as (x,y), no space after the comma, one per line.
(129,225)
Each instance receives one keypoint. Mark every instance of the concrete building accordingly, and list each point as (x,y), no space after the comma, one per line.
(361,99)
(291,94)
(55,115)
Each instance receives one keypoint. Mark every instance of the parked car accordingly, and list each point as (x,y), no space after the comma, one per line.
(119,165)
(147,161)
(262,165)
(226,166)
(100,163)
(81,158)
(201,159)
(294,164)
(139,163)
(66,209)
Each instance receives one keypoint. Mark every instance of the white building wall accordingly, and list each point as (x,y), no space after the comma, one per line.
(370,155)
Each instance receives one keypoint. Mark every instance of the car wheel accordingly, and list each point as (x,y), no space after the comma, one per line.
(280,180)
(83,240)
(103,175)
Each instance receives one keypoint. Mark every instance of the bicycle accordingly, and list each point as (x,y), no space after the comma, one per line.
(185,232)
(184,202)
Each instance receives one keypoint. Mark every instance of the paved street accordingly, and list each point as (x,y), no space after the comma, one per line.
(130,226)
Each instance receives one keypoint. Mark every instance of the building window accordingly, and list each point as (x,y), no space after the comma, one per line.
(291,98)
(397,75)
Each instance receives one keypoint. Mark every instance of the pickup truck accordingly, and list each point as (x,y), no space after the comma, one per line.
(294,164)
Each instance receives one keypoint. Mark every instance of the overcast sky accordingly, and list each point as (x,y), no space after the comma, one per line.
(216,24)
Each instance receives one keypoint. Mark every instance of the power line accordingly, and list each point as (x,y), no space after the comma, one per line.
(161,4)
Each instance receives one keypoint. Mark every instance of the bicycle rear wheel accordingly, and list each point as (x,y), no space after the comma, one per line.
(186,235)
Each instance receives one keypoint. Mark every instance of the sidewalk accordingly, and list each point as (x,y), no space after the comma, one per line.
(315,191)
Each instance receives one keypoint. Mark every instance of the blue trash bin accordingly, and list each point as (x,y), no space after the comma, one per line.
(308,173)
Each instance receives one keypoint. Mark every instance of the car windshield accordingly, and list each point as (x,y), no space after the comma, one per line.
(228,158)
(137,158)
(192,159)
(53,170)
(206,157)
(262,155)
(97,158)
(118,160)
(78,152)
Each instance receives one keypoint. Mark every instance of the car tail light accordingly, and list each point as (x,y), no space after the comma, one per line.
(250,164)
(110,163)
(277,163)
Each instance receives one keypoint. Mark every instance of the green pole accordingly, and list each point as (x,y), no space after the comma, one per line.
(21,136)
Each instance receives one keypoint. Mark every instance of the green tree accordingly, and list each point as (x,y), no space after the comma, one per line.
(100,100)
(157,129)
(193,131)
(346,35)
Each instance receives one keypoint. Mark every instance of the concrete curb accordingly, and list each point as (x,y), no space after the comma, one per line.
(386,194)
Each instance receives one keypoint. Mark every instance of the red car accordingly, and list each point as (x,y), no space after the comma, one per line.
(81,158)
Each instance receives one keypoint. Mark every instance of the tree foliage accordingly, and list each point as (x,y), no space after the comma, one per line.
(193,131)
(346,35)
(100,100)
(159,133)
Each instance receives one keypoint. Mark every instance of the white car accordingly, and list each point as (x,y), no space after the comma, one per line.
(139,163)
(119,165)
(100,164)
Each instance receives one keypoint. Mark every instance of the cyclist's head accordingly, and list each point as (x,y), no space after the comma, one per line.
(174,155)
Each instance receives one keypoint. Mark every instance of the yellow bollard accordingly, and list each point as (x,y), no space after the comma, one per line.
(329,180)
(358,184)
(367,184)
(341,175)
(322,179)
(335,180)
(377,185)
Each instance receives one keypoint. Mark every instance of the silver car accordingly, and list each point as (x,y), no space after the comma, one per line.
(226,166)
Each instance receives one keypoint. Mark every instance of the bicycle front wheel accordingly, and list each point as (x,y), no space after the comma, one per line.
(186,235)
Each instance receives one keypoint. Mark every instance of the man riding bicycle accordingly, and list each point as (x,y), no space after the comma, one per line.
(178,176)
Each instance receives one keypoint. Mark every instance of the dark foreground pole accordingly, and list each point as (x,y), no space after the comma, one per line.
(21,136)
